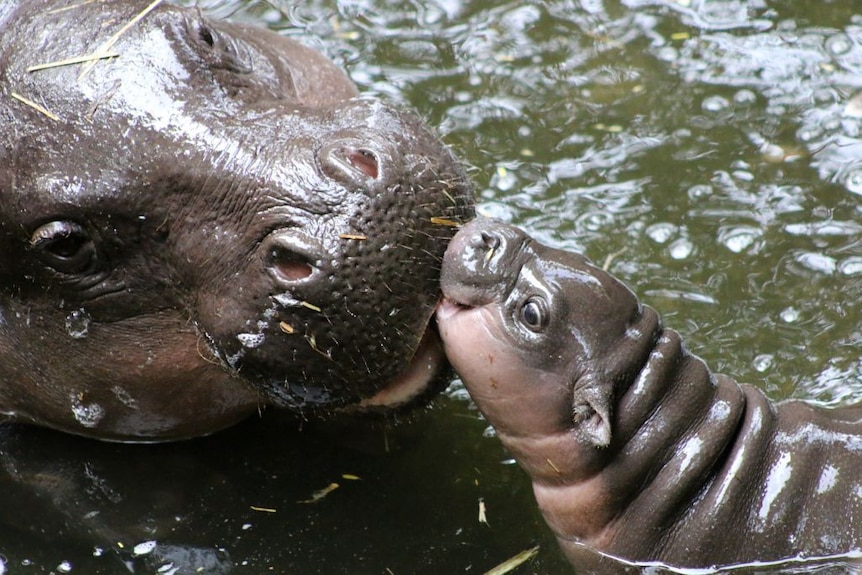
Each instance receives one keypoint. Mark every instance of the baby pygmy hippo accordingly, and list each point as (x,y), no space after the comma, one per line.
(634,447)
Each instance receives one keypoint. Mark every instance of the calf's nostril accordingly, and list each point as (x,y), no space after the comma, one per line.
(488,240)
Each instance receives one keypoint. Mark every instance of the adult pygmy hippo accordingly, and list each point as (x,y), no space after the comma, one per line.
(205,222)
(634,447)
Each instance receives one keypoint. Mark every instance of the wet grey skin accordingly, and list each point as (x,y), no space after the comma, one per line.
(206,224)
(635,449)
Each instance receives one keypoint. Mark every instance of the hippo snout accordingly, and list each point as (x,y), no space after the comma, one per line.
(482,261)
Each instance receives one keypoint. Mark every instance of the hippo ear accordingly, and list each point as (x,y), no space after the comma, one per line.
(591,414)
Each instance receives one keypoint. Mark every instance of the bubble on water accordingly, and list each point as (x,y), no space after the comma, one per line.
(595,220)
(667,54)
(496,210)
(699,191)
(809,133)
(853,109)
(853,180)
(98,551)
(790,315)
(851,266)
(714,104)
(504,178)
(144,548)
(817,262)
(489,432)
(763,362)
(838,44)
(661,232)
(738,239)
(2,565)
(743,175)
(64,567)
(745,97)
(78,323)
(681,249)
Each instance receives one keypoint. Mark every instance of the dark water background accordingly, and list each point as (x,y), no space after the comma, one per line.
(713,148)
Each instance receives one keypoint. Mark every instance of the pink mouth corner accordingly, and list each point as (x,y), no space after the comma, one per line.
(447,308)
(416,381)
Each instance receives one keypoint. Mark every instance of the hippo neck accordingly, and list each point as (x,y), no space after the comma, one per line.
(675,424)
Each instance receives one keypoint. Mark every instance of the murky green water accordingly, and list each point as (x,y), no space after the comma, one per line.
(711,148)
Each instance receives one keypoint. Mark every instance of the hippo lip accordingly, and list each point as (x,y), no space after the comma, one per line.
(448,307)
(423,378)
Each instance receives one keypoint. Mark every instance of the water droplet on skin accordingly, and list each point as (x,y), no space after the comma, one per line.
(78,323)
(251,340)
(88,415)
(144,548)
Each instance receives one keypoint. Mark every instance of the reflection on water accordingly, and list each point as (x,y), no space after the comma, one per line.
(714,148)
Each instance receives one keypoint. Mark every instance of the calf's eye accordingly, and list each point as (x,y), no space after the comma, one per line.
(534,314)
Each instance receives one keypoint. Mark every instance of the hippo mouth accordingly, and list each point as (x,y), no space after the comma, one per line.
(423,378)
(426,375)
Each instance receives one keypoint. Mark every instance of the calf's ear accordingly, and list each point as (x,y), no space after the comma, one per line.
(591,412)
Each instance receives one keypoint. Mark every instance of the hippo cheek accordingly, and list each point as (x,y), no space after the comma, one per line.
(500,379)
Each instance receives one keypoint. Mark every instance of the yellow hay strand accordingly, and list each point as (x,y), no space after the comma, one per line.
(35,106)
(71,61)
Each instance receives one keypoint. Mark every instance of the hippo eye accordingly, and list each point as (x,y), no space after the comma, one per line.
(534,314)
(65,246)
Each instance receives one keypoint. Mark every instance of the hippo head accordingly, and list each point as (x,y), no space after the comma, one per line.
(208,222)
(542,338)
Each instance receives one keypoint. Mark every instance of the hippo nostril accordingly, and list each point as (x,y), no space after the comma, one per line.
(488,240)
(289,265)
(292,256)
(355,166)
(364,161)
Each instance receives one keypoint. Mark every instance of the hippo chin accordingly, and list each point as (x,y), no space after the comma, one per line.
(634,447)
(207,222)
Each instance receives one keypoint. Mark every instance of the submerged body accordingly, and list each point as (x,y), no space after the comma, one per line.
(205,223)
(634,447)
